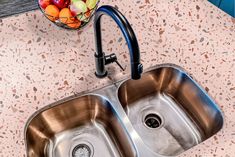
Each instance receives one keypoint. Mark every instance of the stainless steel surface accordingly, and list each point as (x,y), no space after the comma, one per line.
(189,116)
(88,121)
(162,114)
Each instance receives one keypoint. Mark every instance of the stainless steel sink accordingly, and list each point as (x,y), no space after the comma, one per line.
(162,114)
(169,110)
(87,126)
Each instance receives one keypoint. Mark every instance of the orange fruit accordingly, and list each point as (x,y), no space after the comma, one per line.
(66,16)
(75,24)
(52,12)
(88,13)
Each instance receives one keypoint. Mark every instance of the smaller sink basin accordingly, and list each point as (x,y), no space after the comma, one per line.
(87,126)
(169,110)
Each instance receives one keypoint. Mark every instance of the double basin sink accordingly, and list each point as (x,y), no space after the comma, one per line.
(162,114)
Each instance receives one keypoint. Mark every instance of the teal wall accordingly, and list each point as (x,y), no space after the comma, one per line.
(226,5)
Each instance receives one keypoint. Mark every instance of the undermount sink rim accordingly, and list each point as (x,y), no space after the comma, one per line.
(181,69)
(195,81)
(136,143)
(74,97)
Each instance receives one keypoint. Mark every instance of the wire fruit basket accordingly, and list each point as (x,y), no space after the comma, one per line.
(69,14)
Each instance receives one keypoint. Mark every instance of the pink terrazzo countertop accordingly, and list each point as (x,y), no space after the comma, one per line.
(41,63)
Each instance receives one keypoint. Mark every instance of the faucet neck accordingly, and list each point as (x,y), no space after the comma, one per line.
(128,33)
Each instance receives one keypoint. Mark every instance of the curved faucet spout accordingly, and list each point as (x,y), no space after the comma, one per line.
(124,25)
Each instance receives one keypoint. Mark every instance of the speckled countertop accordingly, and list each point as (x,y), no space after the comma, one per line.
(41,63)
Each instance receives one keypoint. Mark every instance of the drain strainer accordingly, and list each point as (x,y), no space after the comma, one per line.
(153,121)
(81,150)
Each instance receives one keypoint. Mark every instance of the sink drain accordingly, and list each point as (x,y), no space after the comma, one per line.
(81,150)
(153,121)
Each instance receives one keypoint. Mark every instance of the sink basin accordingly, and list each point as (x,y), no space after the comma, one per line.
(163,114)
(87,126)
(169,110)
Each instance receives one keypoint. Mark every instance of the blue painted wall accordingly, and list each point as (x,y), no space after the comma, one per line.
(215,2)
(226,5)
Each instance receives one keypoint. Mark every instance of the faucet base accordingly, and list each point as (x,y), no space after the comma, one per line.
(101,76)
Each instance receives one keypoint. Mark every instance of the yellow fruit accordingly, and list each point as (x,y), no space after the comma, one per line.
(52,12)
(91,4)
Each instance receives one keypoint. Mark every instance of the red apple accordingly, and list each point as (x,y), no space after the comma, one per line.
(73,10)
(44,3)
(61,3)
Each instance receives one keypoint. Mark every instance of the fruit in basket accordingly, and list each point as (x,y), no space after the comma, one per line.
(84,16)
(75,24)
(78,7)
(44,3)
(61,3)
(66,16)
(52,12)
(91,4)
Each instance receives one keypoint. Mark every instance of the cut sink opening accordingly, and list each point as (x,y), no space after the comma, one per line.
(82,150)
(87,126)
(188,115)
(166,111)
(152,121)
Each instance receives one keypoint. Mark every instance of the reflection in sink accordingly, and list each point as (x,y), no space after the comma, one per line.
(169,111)
(162,114)
(86,126)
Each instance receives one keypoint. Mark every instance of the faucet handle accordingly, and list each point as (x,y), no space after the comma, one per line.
(119,65)
(112,58)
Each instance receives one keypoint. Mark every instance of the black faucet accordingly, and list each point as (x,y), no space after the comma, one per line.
(100,58)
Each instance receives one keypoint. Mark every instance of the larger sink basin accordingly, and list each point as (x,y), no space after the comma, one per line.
(87,126)
(169,110)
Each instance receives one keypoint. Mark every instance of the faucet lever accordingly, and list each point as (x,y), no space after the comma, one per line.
(112,58)
(120,65)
